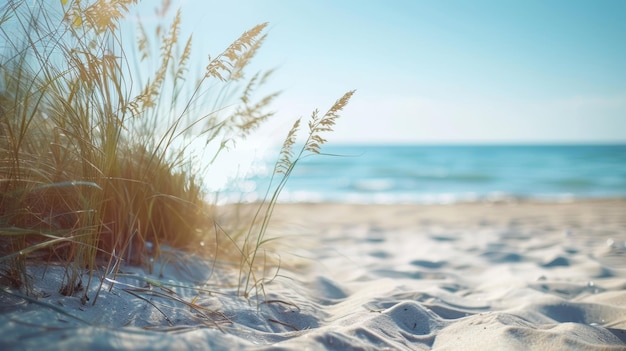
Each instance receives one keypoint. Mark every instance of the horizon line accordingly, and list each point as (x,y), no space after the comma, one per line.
(480,143)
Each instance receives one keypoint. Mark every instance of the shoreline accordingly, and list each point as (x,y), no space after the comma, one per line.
(482,202)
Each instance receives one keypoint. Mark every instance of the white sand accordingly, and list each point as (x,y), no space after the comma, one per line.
(450,277)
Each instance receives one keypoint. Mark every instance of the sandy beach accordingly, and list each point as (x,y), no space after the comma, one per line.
(439,175)
(475,276)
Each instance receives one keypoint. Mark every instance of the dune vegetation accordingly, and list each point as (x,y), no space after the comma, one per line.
(96,166)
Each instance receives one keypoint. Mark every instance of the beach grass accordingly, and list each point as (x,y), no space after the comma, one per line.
(97,167)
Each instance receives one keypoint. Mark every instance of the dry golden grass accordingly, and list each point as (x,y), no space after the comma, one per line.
(96,170)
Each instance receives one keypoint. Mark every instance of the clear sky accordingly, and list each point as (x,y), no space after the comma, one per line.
(437,71)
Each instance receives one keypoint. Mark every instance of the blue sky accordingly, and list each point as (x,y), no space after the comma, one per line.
(436,71)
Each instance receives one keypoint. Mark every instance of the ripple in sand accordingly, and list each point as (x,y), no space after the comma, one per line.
(502,257)
(558,261)
(428,264)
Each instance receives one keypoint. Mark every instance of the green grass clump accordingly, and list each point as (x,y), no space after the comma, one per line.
(95,159)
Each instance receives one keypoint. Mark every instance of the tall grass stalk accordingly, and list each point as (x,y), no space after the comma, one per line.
(288,159)
(95,159)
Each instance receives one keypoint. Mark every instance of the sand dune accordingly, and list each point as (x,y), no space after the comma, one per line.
(510,276)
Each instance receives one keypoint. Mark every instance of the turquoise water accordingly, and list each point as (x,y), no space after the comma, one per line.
(446,174)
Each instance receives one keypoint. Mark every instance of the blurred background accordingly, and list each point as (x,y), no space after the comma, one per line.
(443,73)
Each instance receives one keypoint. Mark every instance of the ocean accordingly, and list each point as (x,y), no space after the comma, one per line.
(444,174)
